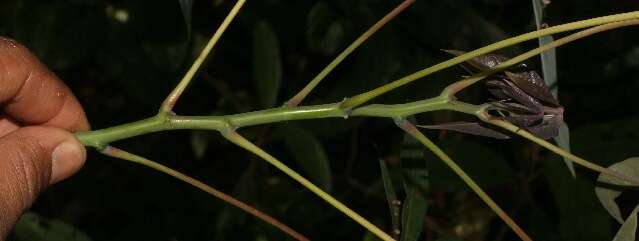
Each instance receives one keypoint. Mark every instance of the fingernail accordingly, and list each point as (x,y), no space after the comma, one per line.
(66,159)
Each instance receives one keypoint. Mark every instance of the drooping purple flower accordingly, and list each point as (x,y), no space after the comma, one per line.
(520,97)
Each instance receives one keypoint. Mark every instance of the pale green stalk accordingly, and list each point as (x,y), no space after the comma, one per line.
(578,160)
(172,98)
(459,85)
(165,120)
(295,100)
(234,137)
(120,154)
(364,97)
(414,132)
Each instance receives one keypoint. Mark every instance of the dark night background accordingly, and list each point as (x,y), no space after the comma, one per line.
(122,70)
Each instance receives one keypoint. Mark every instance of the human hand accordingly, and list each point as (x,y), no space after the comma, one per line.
(37,114)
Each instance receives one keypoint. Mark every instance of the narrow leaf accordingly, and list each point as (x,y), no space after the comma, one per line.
(610,187)
(563,141)
(579,215)
(187,9)
(415,205)
(468,128)
(548,59)
(628,228)
(391,197)
(309,153)
(549,69)
(267,67)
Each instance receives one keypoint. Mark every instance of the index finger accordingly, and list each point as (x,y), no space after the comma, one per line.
(33,95)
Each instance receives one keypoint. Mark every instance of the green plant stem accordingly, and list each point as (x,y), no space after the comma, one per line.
(364,97)
(295,100)
(172,98)
(120,154)
(414,132)
(234,137)
(578,160)
(459,85)
(165,120)
(162,122)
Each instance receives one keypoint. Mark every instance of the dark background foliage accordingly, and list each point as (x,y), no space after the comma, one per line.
(121,69)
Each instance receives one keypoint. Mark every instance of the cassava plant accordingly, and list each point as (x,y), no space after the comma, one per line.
(521,103)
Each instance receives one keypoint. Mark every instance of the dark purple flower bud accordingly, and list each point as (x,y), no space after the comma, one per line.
(521,96)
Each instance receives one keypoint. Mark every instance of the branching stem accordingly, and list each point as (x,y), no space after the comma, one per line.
(166,120)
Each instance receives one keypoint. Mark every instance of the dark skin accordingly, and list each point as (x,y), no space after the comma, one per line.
(38,114)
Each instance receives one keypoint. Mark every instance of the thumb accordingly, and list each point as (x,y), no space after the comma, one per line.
(31,159)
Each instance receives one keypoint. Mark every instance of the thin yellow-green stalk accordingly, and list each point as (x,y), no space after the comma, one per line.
(578,160)
(295,100)
(120,154)
(365,97)
(414,132)
(234,137)
(172,98)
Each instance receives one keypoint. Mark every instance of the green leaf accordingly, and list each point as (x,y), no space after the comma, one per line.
(563,141)
(324,29)
(548,59)
(391,197)
(628,228)
(33,227)
(187,9)
(309,153)
(580,216)
(415,204)
(267,67)
(549,69)
(610,187)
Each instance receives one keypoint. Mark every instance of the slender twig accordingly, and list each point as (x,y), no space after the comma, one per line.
(171,99)
(295,100)
(239,140)
(414,132)
(364,97)
(120,154)
(460,85)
